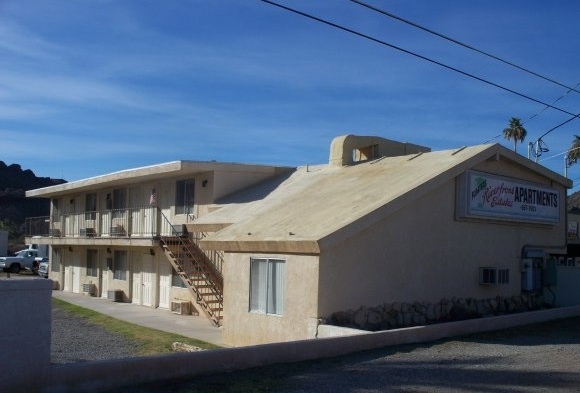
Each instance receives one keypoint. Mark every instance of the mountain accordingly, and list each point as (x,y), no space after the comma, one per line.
(14,206)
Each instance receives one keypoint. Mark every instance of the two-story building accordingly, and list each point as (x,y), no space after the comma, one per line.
(271,252)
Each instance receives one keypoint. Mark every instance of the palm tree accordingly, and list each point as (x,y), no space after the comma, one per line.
(573,153)
(515,131)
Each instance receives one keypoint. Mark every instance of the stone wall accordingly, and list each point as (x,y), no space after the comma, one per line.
(399,315)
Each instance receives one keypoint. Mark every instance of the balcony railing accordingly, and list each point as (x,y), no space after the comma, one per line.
(143,221)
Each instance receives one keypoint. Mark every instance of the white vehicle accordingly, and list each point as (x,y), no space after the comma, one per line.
(27,259)
(24,259)
(43,268)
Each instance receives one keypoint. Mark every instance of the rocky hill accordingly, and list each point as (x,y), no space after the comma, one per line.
(14,206)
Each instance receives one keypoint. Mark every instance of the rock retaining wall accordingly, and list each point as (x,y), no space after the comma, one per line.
(399,315)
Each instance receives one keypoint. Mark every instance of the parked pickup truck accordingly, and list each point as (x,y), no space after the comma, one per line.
(25,259)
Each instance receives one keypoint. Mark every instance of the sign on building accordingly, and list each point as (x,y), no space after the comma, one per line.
(483,195)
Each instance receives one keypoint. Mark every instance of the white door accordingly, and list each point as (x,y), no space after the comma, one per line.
(164,284)
(105,276)
(147,277)
(76,279)
(67,278)
(137,282)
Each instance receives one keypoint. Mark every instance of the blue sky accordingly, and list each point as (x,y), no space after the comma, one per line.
(89,87)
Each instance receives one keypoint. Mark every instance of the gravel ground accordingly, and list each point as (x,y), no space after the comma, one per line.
(74,340)
(540,358)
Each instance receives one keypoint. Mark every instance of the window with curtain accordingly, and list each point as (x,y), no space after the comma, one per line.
(120,265)
(267,285)
(184,196)
(90,206)
(92,263)
(119,202)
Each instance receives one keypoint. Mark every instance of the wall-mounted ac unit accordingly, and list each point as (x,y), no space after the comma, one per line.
(181,307)
(116,295)
(89,289)
(487,276)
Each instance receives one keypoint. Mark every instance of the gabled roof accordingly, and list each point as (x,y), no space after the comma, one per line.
(317,207)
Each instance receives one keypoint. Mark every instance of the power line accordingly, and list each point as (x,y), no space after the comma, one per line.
(376,40)
(568,88)
(390,15)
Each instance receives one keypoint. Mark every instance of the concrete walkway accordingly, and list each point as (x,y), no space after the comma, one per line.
(197,327)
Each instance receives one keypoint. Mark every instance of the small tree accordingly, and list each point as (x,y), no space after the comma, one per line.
(515,131)
(573,153)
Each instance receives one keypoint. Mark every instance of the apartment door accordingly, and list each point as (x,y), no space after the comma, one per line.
(143,281)
(136,211)
(147,280)
(76,279)
(105,271)
(164,284)
(67,277)
(136,298)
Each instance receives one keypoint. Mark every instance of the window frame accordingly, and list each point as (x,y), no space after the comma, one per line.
(93,261)
(184,196)
(90,206)
(267,286)
(120,265)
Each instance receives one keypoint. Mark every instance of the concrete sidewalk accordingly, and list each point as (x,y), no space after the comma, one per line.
(197,327)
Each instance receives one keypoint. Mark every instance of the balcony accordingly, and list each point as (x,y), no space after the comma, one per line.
(144,222)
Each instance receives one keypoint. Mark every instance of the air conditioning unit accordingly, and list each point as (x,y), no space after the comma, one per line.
(89,289)
(116,295)
(487,276)
(181,307)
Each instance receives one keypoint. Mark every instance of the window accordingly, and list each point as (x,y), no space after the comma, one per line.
(487,275)
(119,202)
(91,206)
(365,153)
(120,265)
(493,276)
(267,285)
(92,263)
(55,263)
(503,276)
(176,280)
(184,196)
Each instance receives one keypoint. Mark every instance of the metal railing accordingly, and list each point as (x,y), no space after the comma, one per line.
(139,221)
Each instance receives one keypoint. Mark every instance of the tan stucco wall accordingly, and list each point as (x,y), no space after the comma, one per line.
(299,321)
(421,253)
(135,257)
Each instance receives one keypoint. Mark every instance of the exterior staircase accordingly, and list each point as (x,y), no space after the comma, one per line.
(200,275)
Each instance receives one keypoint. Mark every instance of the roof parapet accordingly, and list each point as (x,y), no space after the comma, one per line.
(350,149)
